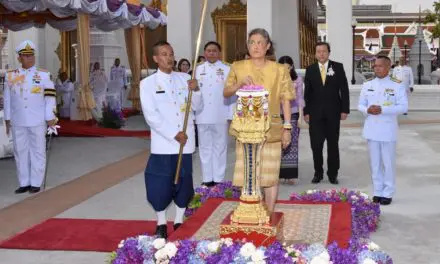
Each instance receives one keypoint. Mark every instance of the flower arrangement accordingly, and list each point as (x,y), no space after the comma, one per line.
(151,250)
(111,117)
(365,219)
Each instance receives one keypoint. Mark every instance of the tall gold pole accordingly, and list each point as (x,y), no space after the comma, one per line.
(188,104)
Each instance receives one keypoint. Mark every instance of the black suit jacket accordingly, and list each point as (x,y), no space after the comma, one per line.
(332,97)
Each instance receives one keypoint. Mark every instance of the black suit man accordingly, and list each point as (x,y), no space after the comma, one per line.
(327,102)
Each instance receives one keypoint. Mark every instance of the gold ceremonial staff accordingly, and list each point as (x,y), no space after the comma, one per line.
(188,104)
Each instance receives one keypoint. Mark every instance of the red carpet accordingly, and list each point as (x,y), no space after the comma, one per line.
(80,234)
(70,128)
(105,235)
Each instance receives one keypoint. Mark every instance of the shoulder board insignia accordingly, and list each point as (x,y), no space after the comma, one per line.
(370,79)
(199,63)
(42,70)
(226,63)
(395,80)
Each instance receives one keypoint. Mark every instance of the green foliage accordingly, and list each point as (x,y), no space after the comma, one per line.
(434,17)
(111,118)
(111,257)
(228,193)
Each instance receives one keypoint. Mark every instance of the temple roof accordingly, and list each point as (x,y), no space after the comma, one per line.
(106,15)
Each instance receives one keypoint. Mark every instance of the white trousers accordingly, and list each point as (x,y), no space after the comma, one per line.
(382,164)
(30,154)
(213,142)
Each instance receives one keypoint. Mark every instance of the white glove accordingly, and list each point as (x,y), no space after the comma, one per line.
(53,130)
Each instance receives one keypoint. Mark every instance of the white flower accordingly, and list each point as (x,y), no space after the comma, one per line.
(258,256)
(354,197)
(213,246)
(310,191)
(319,260)
(159,243)
(121,244)
(227,241)
(369,261)
(170,249)
(364,195)
(325,256)
(160,255)
(247,250)
(373,246)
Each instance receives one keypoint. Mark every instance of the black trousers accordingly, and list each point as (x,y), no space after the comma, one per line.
(322,129)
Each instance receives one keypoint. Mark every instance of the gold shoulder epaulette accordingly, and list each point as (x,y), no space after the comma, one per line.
(42,70)
(226,63)
(14,70)
(199,63)
(370,79)
(395,80)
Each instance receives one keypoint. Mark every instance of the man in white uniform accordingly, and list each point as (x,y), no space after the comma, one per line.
(404,73)
(118,73)
(382,99)
(65,89)
(212,122)
(30,105)
(163,98)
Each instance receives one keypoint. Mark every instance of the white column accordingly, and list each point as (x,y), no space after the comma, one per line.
(339,33)
(286,38)
(179,28)
(104,48)
(259,15)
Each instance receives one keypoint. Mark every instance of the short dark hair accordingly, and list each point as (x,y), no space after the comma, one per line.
(384,58)
(159,44)
(322,43)
(213,43)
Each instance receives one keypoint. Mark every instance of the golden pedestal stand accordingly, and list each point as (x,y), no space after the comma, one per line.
(250,123)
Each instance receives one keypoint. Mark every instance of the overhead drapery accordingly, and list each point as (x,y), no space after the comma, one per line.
(106,15)
(133,45)
(86,102)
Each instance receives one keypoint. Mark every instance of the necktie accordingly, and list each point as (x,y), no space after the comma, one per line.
(323,74)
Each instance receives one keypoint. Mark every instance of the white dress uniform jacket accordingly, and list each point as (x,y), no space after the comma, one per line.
(65,91)
(30,101)
(404,74)
(24,97)
(163,98)
(212,126)
(391,96)
(211,78)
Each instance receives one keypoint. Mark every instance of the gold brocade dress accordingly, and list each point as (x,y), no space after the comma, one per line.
(275,78)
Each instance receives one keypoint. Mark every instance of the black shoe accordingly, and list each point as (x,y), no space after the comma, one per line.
(161,231)
(333,181)
(385,201)
(22,189)
(377,199)
(33,189)
(176,226)
(207,184)
(317,179)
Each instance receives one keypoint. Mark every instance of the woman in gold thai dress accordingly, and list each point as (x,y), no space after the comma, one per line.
(274,77)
